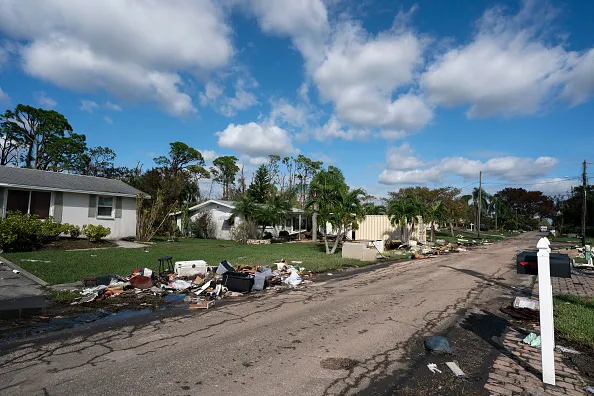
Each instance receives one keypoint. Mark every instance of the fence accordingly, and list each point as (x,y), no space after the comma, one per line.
(378,227)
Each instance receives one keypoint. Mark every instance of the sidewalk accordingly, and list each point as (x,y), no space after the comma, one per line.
(19,291)
(517,371)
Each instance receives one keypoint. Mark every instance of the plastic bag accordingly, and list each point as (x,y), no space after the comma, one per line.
(294,279)
(438,344)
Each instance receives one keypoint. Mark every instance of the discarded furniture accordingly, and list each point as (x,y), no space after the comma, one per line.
(165,261)
(359,251)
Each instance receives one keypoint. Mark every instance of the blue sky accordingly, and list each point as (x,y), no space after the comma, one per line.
(394,93)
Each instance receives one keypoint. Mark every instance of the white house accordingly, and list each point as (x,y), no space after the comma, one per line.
(73,199)
(220,212)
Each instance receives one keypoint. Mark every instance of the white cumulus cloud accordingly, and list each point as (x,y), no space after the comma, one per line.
(256,140)
(43,100)
(88,45)
(4,98)
(509,68)
(88,105)
(404,167)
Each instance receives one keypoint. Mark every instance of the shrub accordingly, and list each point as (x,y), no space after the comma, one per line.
(267,235)
(244,231)
(19,233)
(74,230)
(202,226)
(51,230)
(95,233)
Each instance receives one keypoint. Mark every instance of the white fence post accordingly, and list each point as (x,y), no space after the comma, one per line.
(545,297)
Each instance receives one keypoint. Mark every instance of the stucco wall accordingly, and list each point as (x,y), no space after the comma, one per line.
(76,211)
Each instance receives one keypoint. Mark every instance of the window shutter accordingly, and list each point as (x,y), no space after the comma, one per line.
(58,205)
(92,205)
(118,207)
(1,201)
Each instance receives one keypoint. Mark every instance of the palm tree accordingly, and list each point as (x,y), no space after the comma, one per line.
(275,211)
(246,208)
(484,204)
(320,187)
(436,213)
(347,210)
(499,207)
(403,212)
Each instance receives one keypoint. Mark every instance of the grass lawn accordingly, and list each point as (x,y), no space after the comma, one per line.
(71,266)
(576,241)
(574,318)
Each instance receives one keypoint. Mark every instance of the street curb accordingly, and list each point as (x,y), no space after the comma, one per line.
(23,272)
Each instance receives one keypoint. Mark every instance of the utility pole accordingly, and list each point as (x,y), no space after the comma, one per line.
(480,197)
(584,203)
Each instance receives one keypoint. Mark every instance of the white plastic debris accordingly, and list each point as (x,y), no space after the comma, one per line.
(16,271)
(433,368)
(455,369)
(523,302)
(567,350)
(294,279)
(180,284)
(91,290)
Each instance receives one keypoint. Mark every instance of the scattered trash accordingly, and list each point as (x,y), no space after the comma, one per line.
(567,350)
(521,313)
(36,261)
(455,369)
(294,279)
(433,368)
(437,344)
(16,271)
(329,274)
(523,302)
(141,282)
(589,389)
(533,340)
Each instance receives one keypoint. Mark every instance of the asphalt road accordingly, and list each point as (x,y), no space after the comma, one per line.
(274,344)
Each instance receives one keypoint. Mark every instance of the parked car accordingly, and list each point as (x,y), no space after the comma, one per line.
(543,228)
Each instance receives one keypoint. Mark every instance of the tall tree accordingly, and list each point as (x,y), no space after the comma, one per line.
(321,183)
(260,189)
(97,161)
(306,169)
(180,157)
(223,172)
(9,143)
(46,136)
(404,211)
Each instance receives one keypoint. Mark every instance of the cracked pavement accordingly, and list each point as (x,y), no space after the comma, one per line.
(272,344)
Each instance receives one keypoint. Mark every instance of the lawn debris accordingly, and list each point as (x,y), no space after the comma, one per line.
(196,283)
(433,368)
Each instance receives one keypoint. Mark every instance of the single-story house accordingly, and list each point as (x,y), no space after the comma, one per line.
(220,212)
(73,199)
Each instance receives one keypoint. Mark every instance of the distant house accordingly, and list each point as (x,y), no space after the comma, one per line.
(73,199)
(220,212)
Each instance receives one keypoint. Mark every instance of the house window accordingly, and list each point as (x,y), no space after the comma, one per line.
(105,207)
(29,202)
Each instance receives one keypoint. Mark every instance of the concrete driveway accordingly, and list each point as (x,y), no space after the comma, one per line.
(274,344)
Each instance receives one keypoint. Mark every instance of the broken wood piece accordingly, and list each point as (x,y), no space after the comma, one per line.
(455,369)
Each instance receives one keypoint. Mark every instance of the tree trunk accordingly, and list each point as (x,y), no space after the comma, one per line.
(452,228)
(432,231)
(263,229)
(496,221)
(338,237)
(314,226)
(326,242)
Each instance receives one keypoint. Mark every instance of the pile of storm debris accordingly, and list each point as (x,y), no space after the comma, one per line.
(196,282)
(440,247)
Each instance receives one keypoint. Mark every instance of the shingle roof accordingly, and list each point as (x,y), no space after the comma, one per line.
(46,180)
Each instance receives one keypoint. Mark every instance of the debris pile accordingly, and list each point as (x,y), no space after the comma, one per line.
(201,284)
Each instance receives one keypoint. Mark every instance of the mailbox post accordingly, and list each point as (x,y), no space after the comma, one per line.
(545,298)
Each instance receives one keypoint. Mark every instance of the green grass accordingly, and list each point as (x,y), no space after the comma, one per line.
(574,318)
(66,267)
(576,241)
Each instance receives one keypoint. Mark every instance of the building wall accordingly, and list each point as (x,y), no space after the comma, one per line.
(75,210)
(378,227)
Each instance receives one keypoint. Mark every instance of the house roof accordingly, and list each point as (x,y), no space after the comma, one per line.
(46,180)
(228,204)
